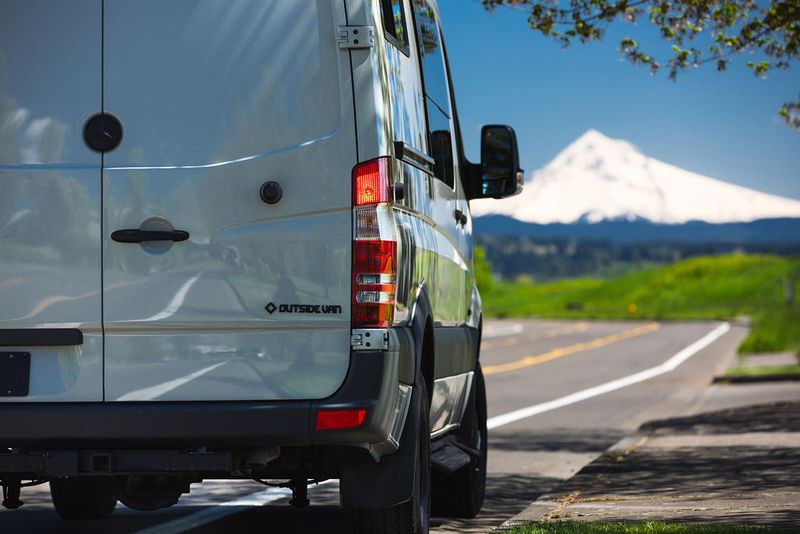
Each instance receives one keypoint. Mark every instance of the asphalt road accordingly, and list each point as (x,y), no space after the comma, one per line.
(528,363)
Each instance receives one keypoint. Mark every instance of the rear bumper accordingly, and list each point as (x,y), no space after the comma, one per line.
(202,424)
(197,440)
(372,383)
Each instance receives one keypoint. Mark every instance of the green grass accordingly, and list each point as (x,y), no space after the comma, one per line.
(718,287)
(773,330)
(764,372)
(639,527)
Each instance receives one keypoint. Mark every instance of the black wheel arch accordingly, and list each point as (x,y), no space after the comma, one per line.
(421,324)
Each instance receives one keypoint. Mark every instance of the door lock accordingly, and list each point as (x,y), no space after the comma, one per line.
(102,132)
(271,192)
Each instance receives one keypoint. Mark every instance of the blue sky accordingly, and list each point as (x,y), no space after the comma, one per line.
(723,125)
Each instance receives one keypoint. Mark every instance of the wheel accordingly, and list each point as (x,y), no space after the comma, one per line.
(461,494)
(412,516)
(83,497)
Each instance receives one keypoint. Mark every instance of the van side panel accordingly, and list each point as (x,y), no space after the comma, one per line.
(217,98)
(390,107)
(50,265)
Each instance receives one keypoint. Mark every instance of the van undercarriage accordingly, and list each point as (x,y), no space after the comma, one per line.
(147,479)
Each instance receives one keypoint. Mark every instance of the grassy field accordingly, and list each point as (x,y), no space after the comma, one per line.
(719,287)
(639,527)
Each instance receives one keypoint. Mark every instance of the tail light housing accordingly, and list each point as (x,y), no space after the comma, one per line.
(374,246)
(372,182)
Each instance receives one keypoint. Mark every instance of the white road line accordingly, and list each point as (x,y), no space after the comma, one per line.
(176,302)
(213,513)
(493,330)
(669,365)
(153,392)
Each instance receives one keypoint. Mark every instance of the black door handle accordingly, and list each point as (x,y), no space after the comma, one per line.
(460,217)
(137,236)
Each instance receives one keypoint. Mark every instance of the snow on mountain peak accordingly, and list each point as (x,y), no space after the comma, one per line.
(597,178)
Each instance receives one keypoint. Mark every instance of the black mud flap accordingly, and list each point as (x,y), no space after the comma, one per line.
(390,482)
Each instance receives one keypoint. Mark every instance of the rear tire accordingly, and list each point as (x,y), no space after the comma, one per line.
(461,494)
(412,516)
(83,497)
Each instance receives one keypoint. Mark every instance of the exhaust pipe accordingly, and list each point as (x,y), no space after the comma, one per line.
(255,459)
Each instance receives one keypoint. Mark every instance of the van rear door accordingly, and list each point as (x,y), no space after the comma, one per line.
(216,99)
(50,267)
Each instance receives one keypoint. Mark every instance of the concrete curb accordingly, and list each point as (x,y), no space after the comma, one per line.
(548,504)
(732,465)
(533,513)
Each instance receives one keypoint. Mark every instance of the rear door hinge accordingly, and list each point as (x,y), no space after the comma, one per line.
(356,36)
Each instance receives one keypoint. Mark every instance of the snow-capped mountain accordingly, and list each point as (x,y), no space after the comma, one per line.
(597,178)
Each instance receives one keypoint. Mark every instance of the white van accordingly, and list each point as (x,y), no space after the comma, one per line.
(236,243)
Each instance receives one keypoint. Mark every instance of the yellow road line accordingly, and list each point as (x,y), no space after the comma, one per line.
(571,349)
(553,332)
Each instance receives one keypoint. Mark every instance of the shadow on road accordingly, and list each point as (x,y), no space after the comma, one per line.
(506,495)
(693,471)
(537,453)
(775,417)
(555,440)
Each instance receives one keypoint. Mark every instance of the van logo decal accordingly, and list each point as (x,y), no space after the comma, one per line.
(303,308)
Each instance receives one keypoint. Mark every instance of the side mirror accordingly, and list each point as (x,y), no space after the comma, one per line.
(498,175)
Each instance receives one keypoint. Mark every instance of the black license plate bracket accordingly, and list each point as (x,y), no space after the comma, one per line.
(15,373)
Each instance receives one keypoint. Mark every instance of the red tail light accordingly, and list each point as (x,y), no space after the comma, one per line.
(372,182)
(338,419)
(374,283)
(374,246)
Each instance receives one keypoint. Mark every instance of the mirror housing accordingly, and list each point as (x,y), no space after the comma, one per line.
(498,175)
